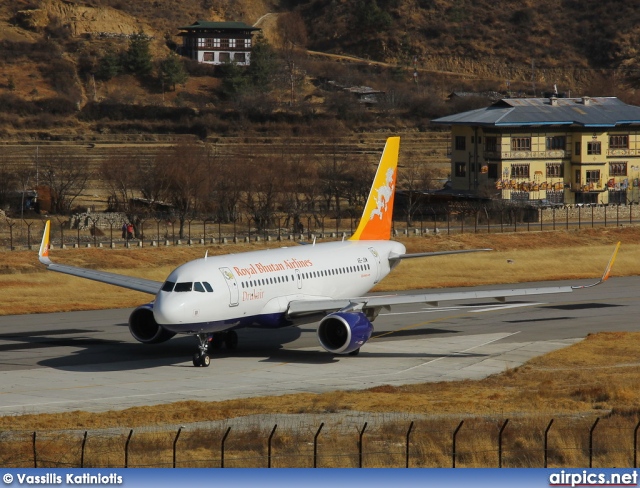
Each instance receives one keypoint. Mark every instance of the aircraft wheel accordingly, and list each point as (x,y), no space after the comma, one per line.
(196,359)
(355,353)
(205,360)
(231,340)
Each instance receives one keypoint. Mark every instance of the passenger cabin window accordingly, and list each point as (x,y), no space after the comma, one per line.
(197,286)
(168,286)
(183,286)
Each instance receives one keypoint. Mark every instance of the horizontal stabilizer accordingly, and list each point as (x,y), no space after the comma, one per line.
(394,257)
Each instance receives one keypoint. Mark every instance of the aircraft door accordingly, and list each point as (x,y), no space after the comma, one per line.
(232,284)
(376,264)
(298,279)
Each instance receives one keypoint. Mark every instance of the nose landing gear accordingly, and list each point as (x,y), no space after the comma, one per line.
(201,358)
(211,342)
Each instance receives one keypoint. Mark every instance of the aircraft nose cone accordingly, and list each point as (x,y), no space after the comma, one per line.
(168,310)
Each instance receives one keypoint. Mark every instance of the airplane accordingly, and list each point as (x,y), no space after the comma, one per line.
(325,283)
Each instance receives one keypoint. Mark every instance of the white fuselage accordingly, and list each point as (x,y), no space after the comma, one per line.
(255,288)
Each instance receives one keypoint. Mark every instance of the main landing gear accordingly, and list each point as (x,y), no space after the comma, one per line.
(211,342)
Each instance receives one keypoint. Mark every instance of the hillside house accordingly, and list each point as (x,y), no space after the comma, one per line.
(552,150)
(218,42)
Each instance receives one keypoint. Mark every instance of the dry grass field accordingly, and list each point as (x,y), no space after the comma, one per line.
(596,377)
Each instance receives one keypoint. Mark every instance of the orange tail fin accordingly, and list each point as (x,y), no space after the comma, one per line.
(375,224)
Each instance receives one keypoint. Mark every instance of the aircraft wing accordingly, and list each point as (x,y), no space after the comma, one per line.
(303,307)
(137,284)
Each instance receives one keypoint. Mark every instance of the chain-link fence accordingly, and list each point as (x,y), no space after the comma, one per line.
(566,441)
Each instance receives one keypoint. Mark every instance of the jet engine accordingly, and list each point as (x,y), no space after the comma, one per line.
(144,328)
(342,332)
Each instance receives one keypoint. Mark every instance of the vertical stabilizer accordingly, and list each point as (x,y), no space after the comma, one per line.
(43,254)
(375,224)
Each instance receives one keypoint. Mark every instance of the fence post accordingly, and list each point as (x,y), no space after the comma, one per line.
(453,450)
(269,447)
(35,455)
(315,446)
(407,449)
(591,442)
(546,442)
(635,446)
(566,214)
(605,216)
(224,438)
(579,217)
(175,441)
(500,442)
(360,445)
(84,442)
(10,224)
(126,449)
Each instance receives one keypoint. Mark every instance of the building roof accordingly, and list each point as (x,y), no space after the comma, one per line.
(204,24)
(523,112)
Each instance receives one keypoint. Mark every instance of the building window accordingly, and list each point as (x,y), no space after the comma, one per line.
(224,57)
(555,196)
(521,143)
(461,169)
(520,195)
(520,171)
(618,196)
(619,142)
(492,171)
(201,41)
(216,43)
(593,176)
(240,57)
(578,146)
(224,43)
(555,170)
(232,43)
(208,57)
(240,43)
(618,169)
(461,143)
(594,147)
(556,142)
(491,144)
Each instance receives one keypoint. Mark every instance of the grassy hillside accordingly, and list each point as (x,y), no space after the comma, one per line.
(52,53)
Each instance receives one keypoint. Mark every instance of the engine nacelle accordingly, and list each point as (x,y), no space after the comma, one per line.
(342,333)
(144,328)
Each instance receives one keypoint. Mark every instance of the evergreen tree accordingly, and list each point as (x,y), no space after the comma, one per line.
(137,58)
(234,80)
(263,64)
(108,66)
(172,71)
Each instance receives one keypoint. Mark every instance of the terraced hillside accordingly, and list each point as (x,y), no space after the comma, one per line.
(428,148)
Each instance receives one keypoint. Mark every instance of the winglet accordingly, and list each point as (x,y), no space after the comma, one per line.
(375,223)
(607,271)
(43,254)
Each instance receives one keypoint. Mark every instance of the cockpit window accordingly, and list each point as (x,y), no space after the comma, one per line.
(168,286)
(197,286)
(183,286)
(207,286)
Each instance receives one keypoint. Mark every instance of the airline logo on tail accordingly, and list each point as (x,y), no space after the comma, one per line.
(375,224)
(45,246)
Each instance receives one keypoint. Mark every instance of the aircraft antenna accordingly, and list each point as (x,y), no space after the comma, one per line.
(206,253)
(314,240)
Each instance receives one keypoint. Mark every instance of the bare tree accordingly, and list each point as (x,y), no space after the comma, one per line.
(8,180)
(65,177)
(293,41)
(264,176)
(184,172)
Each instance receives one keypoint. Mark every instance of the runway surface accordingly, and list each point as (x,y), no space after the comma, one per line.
(89,361)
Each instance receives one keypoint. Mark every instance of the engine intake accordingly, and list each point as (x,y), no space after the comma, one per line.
(145,329)
(342,333)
